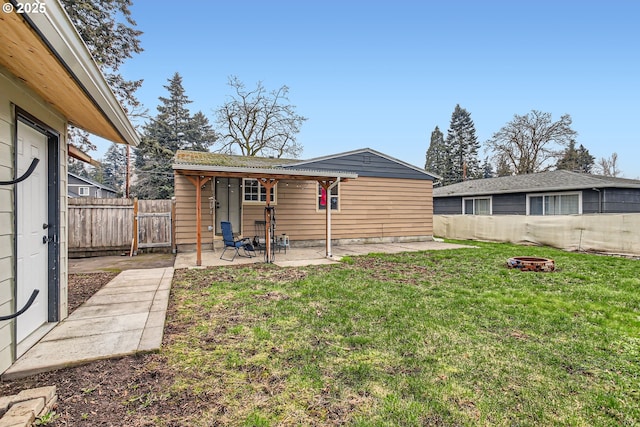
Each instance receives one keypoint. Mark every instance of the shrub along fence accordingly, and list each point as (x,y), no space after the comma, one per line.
(611,233)
(111,226)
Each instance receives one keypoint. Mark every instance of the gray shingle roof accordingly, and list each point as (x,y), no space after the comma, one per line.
(558,180)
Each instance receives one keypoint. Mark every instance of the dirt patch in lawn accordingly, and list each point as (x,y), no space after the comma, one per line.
(82,286)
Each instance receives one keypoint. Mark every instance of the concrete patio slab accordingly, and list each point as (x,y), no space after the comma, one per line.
(316,255)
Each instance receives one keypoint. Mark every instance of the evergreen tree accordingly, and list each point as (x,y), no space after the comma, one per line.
(487,169)
(503,167)
(437,156)
(576,160)
(114,167)
(97,173)
(108,30)
(462,147)
(172,129)
(200,135)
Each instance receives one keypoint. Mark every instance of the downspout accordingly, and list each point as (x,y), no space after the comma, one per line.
(328,234)
(599,199)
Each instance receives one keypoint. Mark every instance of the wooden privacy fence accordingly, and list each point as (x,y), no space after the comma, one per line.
(107,226)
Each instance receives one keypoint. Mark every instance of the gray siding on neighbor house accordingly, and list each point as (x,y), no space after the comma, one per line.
(608,200)
(447,205)
(620,200)
(501,204)
(510,204)
(74,184)
(366,164)
(590,202)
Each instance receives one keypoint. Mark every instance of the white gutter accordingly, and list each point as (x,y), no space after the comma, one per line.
(58,31)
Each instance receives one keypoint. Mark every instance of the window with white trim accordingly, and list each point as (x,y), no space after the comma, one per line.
(554,204)
(253,192)
(324,198)
(83,191)
(476,206)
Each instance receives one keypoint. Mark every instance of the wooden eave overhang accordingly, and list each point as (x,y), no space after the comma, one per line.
(44,51)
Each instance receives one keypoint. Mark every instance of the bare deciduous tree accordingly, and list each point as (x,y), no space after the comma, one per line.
(258,122)
(532,142)
(609,167)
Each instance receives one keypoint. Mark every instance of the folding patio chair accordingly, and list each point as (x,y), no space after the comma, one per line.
(259,236)
(235,244)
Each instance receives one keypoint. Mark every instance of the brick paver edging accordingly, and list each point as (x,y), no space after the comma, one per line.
(22,409)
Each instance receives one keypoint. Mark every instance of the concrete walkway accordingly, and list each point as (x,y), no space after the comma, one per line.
(126,316)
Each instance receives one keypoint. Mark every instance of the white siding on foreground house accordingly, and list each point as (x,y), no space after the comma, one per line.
(14,93)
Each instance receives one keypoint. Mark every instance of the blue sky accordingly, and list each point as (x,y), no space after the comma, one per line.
(383,74)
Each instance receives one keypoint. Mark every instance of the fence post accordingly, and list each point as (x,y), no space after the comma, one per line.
(174,244)
(135,226)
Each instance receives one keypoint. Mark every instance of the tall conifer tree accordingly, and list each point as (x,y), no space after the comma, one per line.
(462,146)
(436,157)
(576,159)
(172,129)
(114,167)
(109,31)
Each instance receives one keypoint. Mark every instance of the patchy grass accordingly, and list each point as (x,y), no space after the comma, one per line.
(431,338)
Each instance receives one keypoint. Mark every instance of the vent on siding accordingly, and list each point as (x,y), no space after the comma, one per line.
(366,160)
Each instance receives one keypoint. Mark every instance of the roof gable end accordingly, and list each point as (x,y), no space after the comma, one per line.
(366,162)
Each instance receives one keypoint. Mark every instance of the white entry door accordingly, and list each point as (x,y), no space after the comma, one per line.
(228,201)
(32,220)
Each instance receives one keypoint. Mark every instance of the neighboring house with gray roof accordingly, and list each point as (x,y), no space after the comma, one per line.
(558,192)
(80,186)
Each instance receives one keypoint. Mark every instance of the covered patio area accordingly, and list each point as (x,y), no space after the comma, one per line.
(266,176)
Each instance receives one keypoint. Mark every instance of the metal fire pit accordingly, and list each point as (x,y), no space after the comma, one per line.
(527,263)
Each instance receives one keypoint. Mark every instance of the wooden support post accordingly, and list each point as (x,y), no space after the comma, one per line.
(174,244)
(135,226)
(328,186)
(127,181)
(198,222)
(198,181)
(268,184)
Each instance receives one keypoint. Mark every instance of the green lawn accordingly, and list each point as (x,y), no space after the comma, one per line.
(430,338)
